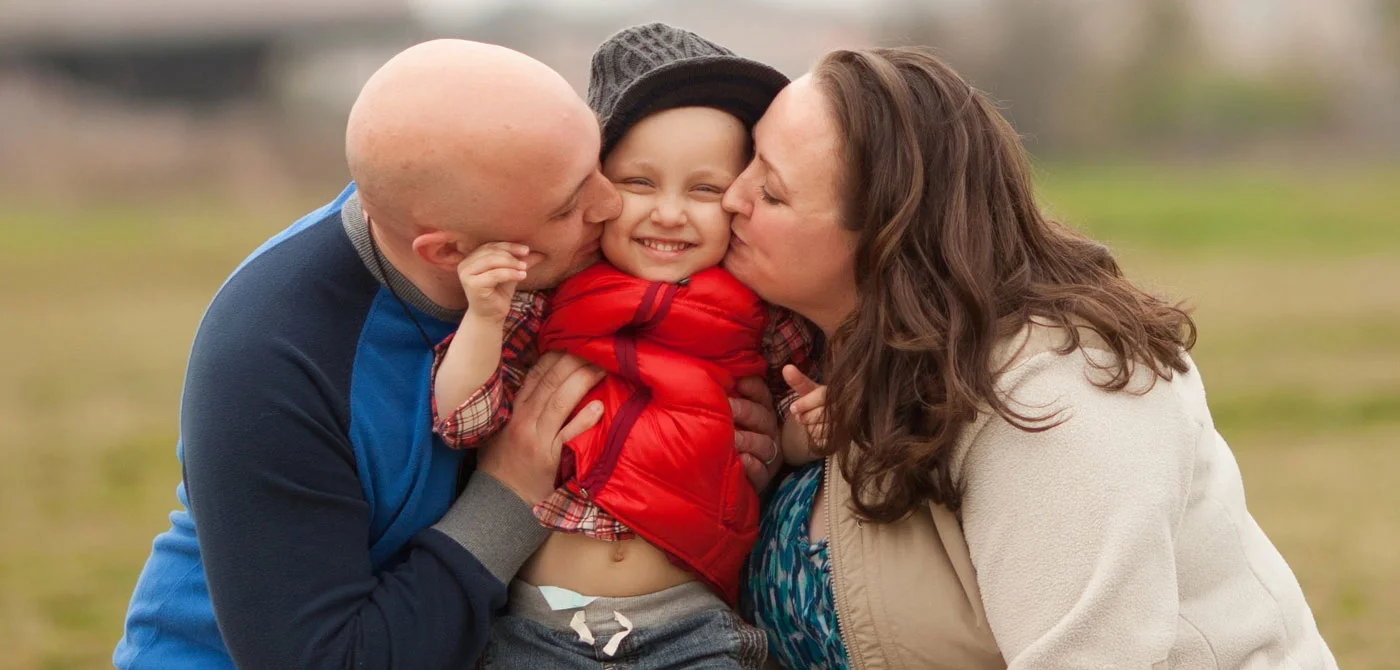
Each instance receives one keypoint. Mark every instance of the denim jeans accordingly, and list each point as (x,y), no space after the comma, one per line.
(682,627)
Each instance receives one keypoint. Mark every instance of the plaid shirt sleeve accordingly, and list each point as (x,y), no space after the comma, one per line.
(487,409)
(788,340)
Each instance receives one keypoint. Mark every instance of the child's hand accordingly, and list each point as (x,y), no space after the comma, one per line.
(810,407)
(489,276)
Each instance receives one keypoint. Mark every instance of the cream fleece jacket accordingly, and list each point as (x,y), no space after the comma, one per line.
(1120,538)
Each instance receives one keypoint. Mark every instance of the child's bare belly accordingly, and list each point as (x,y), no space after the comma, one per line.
(600,568)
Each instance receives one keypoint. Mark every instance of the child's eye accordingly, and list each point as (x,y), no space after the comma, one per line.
(709,188)
(637,181)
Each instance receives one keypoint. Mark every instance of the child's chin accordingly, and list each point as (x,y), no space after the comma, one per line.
(669,274)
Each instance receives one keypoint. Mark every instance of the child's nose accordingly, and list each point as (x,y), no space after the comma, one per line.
(668,212)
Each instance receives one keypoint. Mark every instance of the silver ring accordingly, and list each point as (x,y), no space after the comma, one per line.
(776,453)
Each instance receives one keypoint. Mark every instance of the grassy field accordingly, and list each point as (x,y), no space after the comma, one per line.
(1295,277)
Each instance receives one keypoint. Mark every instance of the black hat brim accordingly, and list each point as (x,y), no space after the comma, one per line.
(733,84)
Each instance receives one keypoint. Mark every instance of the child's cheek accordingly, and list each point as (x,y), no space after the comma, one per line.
(634,207)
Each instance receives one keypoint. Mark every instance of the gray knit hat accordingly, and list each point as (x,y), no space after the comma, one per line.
(649,68)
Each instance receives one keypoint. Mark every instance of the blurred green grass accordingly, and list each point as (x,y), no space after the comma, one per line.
(1212,210)
(1294,276)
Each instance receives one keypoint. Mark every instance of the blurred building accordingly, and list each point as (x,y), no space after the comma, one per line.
(174,92)
(97,94)
(191,51)
(139,93)
(1250,77)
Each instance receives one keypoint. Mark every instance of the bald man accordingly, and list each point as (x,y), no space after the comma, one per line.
(322,523)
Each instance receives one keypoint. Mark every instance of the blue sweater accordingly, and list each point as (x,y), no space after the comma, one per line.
(312,480)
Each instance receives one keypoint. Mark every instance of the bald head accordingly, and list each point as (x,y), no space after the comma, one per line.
(454,144)
(448,131)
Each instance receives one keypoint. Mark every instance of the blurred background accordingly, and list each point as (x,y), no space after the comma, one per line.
(1242,155)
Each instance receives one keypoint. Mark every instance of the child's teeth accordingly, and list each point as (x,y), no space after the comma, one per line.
(665,246)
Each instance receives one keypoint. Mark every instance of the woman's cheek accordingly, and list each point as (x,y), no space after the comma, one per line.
(764,239)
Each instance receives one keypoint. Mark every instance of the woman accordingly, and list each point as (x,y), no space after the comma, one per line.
(1021,469)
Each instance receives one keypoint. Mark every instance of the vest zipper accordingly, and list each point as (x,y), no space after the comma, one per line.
(838,582)
(625,343)
(626,417)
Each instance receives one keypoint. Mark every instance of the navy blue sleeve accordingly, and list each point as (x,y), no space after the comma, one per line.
(283,524)
(281,517)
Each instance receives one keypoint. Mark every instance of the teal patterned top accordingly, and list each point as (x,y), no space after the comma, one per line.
(789,594)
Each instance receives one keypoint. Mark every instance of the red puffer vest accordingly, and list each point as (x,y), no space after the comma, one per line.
(662,458)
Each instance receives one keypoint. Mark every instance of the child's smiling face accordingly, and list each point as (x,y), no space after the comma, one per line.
(672,169)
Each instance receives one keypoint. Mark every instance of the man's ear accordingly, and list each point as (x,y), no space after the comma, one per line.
(439,248)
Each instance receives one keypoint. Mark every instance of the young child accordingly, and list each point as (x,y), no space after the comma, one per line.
(654,515)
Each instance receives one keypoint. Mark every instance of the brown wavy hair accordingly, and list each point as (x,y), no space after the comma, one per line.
(952,256)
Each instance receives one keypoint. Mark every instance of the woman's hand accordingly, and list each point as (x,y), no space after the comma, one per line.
(756,431)
(810,407)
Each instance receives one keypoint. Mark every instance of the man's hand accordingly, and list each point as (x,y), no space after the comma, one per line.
(524,455)
(489,275)
(810,407)
(756,431)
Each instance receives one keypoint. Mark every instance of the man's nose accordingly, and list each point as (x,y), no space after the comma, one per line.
(607,203)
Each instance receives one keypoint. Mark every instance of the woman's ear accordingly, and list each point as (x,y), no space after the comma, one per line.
(439,248)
